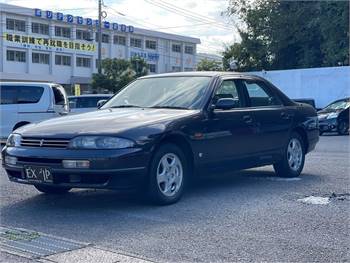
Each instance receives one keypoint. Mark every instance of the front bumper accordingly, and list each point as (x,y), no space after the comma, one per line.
(109,169)
(328,125)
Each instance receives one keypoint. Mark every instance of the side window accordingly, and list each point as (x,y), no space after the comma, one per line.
(29,94)
(88,102)
(8,94)
(259,96)
(59,96)
(228,89)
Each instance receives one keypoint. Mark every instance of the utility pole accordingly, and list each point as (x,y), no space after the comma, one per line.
(99,32)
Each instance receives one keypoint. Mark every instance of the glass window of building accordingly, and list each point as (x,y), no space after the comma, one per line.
(40,58)
(188,69)
(15,24)
(63,60)
(62,31)
(152,68)
(136,42)
(119,40)
(176,48)
(15,55)
(189,50)
(151,44)
(39,28)
(83,62)
(105,38)
(83,34)
(176,69)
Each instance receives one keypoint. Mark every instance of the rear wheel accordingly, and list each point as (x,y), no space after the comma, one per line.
(48,189)
(168,174)
(293,159)
(343,127)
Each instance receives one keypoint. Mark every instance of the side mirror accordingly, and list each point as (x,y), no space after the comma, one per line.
(100,103)
(226,104)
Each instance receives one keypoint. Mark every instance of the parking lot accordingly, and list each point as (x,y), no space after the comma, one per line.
(245,216)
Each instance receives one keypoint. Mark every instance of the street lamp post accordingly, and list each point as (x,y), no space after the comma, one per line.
(99,32)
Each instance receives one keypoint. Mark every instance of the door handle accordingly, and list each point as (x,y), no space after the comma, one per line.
(285,115)
(247,119)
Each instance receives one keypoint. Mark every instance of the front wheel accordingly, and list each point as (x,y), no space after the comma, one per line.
(48,189)
(343,127)
(168,174)
(293,159)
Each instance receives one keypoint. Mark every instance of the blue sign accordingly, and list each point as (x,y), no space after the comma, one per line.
(145,55)
(80,20)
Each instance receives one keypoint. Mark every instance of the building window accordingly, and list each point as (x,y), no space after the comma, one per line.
(136,42)
(15,55)
(83,62)
(152,68)
(189,50)
(83,34)
(62,31)
(14,24)
(39,28)
(151,44)
(105,38)
(62,60)
(119,40)
(40,58)
(188,69)
(176,48)
(176,69)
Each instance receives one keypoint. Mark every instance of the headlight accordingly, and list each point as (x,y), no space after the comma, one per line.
(332,115)
(100,142)
(14,140)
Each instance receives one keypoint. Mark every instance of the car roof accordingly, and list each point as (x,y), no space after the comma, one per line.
(200,74)
(91,95)
(24,83)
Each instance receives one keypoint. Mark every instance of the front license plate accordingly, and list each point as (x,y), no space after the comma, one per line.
(38,174)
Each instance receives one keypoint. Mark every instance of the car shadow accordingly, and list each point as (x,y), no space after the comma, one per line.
(85,208)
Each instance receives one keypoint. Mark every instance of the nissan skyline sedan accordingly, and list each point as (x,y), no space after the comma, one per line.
(160,131)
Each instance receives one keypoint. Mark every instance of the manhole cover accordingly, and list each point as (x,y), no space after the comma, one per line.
(34,244)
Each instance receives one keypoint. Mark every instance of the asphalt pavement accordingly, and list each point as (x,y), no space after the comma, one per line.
(247,216)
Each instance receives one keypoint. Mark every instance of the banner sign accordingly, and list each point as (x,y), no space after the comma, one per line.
(39,42)
(145,55)
(81,21)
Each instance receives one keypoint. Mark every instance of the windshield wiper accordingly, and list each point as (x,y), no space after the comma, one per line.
(125,106)
(169,107)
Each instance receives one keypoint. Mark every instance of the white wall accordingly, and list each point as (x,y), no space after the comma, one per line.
(324,85)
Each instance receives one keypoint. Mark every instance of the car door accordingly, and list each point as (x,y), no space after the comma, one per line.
(227,133)
(8,110)
(273,119)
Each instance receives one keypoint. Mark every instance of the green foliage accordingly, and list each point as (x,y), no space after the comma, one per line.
(281,34)
(209,65)
(117,73)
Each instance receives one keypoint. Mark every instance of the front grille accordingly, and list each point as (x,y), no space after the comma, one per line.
(44,142)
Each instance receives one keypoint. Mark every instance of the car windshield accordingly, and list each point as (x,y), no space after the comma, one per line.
(338,105)
(162,92)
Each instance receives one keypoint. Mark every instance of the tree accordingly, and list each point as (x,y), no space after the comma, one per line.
(281,34)
(209,65)
(117,73)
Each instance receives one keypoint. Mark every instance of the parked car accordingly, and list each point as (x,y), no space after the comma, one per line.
(335,117)
(307,101)
(85,103)
(160,130)
(27,102)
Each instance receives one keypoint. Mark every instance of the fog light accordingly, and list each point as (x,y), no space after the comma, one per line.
(10,160)
(75,164)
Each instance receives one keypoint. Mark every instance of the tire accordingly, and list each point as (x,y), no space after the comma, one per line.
(167,175)
(343,127)
(293,159)
(48,189)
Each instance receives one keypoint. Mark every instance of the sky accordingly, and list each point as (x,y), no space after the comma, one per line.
(196,18)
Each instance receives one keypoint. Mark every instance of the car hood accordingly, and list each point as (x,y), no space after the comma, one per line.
(108,121)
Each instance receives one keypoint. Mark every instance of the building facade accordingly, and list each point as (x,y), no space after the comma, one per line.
(41,45)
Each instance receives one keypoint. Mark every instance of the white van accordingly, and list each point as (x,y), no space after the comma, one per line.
(22,103)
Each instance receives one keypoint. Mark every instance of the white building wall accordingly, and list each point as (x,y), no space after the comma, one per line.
(324,85)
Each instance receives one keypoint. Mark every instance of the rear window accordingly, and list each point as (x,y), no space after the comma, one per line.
(20,94)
